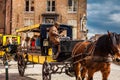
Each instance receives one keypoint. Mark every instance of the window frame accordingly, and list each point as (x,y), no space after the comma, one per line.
(28,20)
(73,5)
(50,6)
(30,5)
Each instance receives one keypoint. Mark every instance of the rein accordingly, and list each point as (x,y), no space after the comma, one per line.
(87,57)
(90,55)
(73,57)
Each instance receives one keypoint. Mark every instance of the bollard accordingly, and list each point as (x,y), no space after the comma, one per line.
(6,69)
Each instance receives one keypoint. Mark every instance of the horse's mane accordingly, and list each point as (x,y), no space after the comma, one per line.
(102,43)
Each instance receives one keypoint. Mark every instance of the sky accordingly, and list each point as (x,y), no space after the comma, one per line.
(103,15)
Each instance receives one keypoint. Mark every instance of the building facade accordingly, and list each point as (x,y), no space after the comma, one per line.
(2,19)
(5,16)
(30,12)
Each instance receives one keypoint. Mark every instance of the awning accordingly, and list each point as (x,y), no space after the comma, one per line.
(29,28)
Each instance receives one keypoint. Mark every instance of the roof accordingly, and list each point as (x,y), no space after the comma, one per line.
(29,28)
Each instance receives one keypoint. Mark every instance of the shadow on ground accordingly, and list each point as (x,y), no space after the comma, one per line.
(117,63)
(14,76)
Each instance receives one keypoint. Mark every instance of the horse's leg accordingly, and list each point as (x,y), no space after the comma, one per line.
(105,72)
(90,74)
(83,73)
(77,71)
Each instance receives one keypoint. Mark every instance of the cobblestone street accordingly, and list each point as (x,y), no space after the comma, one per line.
(35,73)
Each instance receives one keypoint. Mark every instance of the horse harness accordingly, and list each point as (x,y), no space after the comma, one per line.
(89,55)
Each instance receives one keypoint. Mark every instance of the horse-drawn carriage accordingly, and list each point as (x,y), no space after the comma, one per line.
(8,46)
(76,57)
(45,55)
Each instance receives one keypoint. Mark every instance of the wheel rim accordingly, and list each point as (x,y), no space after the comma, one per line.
(21,65)
(4,58)
(45,72)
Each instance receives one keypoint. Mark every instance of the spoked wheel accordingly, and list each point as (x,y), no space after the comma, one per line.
(5,58)
(45,72)
(21,65)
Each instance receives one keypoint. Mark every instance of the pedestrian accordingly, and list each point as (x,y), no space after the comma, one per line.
(37,42)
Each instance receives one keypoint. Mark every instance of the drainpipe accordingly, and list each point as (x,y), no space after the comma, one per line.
(11,18)
(5,19)
(78,28)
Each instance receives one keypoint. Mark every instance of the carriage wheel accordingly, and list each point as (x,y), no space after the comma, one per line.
(5,58)
(45,72)
(21,65)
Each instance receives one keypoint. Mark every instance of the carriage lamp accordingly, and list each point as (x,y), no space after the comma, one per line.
(45,42)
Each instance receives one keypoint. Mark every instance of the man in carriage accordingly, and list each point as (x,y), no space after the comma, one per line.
(54,37)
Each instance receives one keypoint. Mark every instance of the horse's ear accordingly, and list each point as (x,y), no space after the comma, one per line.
(108,33)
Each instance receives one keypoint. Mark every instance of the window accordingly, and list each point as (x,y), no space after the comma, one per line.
(29,5)
(49,20)
(72,5)
(28,21)
(51,5)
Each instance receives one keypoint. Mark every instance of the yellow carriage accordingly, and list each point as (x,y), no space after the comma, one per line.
(8,47)
(4,40)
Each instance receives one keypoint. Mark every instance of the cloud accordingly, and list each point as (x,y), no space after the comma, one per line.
(103,15)
(115,18)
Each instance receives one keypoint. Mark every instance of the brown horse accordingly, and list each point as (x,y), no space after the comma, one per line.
(95,56)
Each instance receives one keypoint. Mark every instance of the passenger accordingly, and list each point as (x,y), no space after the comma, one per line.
(54,39)
(33,43)
(0,42)
(37,42)
(14,41)
(25,44)
(8,44)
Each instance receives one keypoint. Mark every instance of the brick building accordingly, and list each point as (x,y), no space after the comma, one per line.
(2,16)
(5,16)
(30,12)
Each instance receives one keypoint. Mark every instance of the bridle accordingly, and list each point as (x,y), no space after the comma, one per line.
(112,43)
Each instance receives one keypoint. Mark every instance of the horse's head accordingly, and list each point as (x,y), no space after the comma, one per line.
(114,41)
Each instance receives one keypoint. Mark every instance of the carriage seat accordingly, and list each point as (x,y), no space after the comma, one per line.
(12,49)
(64,38)
(66,47)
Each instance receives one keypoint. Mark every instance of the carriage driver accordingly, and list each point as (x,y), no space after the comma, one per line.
(54,37)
